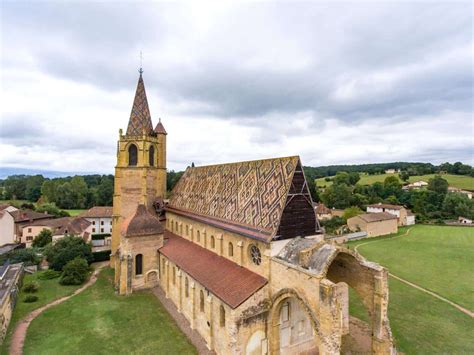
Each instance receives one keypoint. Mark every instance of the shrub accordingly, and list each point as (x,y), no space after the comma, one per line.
(52,209)
(30,299)
(101,255)
(27,256)
(31,287)
(49,274)
(75,272)
(43,238)
(65,250)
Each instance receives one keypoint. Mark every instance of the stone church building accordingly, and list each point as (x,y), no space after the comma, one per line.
(238,250)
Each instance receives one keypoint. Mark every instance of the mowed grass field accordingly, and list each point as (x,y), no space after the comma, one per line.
(97,321)
(74,213)
(49,290)
(437,258)
(460,181)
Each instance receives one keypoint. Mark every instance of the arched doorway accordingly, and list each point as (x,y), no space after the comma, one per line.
(294,329)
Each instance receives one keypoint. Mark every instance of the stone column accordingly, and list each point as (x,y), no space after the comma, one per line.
(330,331)
(220,241)
(167,273)
(210,340)
(193,305)
(240,251)
(180,291)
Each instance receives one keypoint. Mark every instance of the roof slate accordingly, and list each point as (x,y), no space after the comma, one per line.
(251,193)
(27,215)
(98,212)
(228,281)
(141,223)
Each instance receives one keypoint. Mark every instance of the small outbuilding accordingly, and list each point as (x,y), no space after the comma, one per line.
(374,224)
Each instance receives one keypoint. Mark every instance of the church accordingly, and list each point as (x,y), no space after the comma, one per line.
(238,250)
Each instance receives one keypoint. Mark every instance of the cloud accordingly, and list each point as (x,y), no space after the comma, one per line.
(334,82)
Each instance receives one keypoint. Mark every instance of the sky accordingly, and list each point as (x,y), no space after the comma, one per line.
(333,82)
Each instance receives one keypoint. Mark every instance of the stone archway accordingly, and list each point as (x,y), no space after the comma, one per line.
(293,326)
(151,278)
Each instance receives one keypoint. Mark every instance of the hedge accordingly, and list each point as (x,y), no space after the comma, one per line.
(101,255)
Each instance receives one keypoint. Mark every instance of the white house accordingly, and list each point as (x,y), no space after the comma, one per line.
(100,218)
(464,220)
(7,228)
(405,216)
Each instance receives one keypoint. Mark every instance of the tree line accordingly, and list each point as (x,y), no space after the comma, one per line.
(431,203)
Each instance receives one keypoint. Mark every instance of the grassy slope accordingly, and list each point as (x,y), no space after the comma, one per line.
(49,290)
(438,258)
(99,322)
(429,255)
(459,181)
(73,213)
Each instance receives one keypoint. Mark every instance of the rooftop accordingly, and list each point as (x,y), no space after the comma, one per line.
(231,283)
(64,225)
(385,205)
(28,215)
(376,217)
(97,212)
(142,223)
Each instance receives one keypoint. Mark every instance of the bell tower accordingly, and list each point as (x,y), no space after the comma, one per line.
(140,173)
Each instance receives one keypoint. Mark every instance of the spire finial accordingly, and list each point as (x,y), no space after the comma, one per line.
(141,64)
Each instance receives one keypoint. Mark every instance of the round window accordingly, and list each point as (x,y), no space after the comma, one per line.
(255,255)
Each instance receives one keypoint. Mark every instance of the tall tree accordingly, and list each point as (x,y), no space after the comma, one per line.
(438,185)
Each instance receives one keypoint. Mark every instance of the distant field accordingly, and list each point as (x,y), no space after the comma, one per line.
(438,258)
(74,212)
(13,202)
(459,181)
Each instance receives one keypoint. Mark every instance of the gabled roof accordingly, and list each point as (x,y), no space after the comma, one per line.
(140,118)
(98,212)
(250,195)
(228,281)
(376,217)
(64,225)
(28,215)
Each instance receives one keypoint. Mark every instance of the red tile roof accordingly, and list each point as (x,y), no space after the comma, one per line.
(141,223)
(28,215)
(231,283)
(97,212)
(376,217)
(160,128)
(64,225)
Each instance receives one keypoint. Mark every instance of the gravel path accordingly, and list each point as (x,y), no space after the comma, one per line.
(183,323)
(19,334)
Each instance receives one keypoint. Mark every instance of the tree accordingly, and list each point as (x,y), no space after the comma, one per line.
(33,187)
(337,196)
(438,185)
(75,272)
(49,190)
(15,187)
(43,238)
(67,249)
(105,192)
(404,176)
(354,177)
(341,178)
(27,256)
(455,205)
(391,186)
(351,212)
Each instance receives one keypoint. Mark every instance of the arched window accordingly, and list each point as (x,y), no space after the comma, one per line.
(198,237)
(176,227)
(187,230)
(201,301)
(222,316)
(132,155)
(213,242)
(151,156)
(186,287)
(139,264)
(174,275)
(231,249)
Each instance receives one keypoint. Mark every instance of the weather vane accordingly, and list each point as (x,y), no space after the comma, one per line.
(141,63)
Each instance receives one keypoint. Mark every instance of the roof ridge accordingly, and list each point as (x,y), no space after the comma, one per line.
(247,161)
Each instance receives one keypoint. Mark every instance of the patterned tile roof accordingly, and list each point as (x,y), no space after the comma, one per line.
(140,118)
(228,281)
(251,193)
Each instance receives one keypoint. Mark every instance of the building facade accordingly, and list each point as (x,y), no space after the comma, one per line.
(405,216)
(100,218)
(59,227)
(374,224)
(238,250)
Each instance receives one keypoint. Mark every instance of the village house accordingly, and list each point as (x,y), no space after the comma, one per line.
(100,218)
(238,252)
(10,283)
(322,212)
(60,227)
(404,215)
(464,220)
(416,185)
(374,224)
(460,191)
(11,232)
(392,171)
(24,217)
(7,228)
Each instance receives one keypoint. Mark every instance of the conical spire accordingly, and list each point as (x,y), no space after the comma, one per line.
(140,118)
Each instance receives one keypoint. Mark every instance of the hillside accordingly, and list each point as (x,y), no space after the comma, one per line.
(460,181)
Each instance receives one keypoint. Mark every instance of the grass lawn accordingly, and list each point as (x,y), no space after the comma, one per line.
(459,181)
(440,259)
(49,290)
(99,322)
(73,213)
